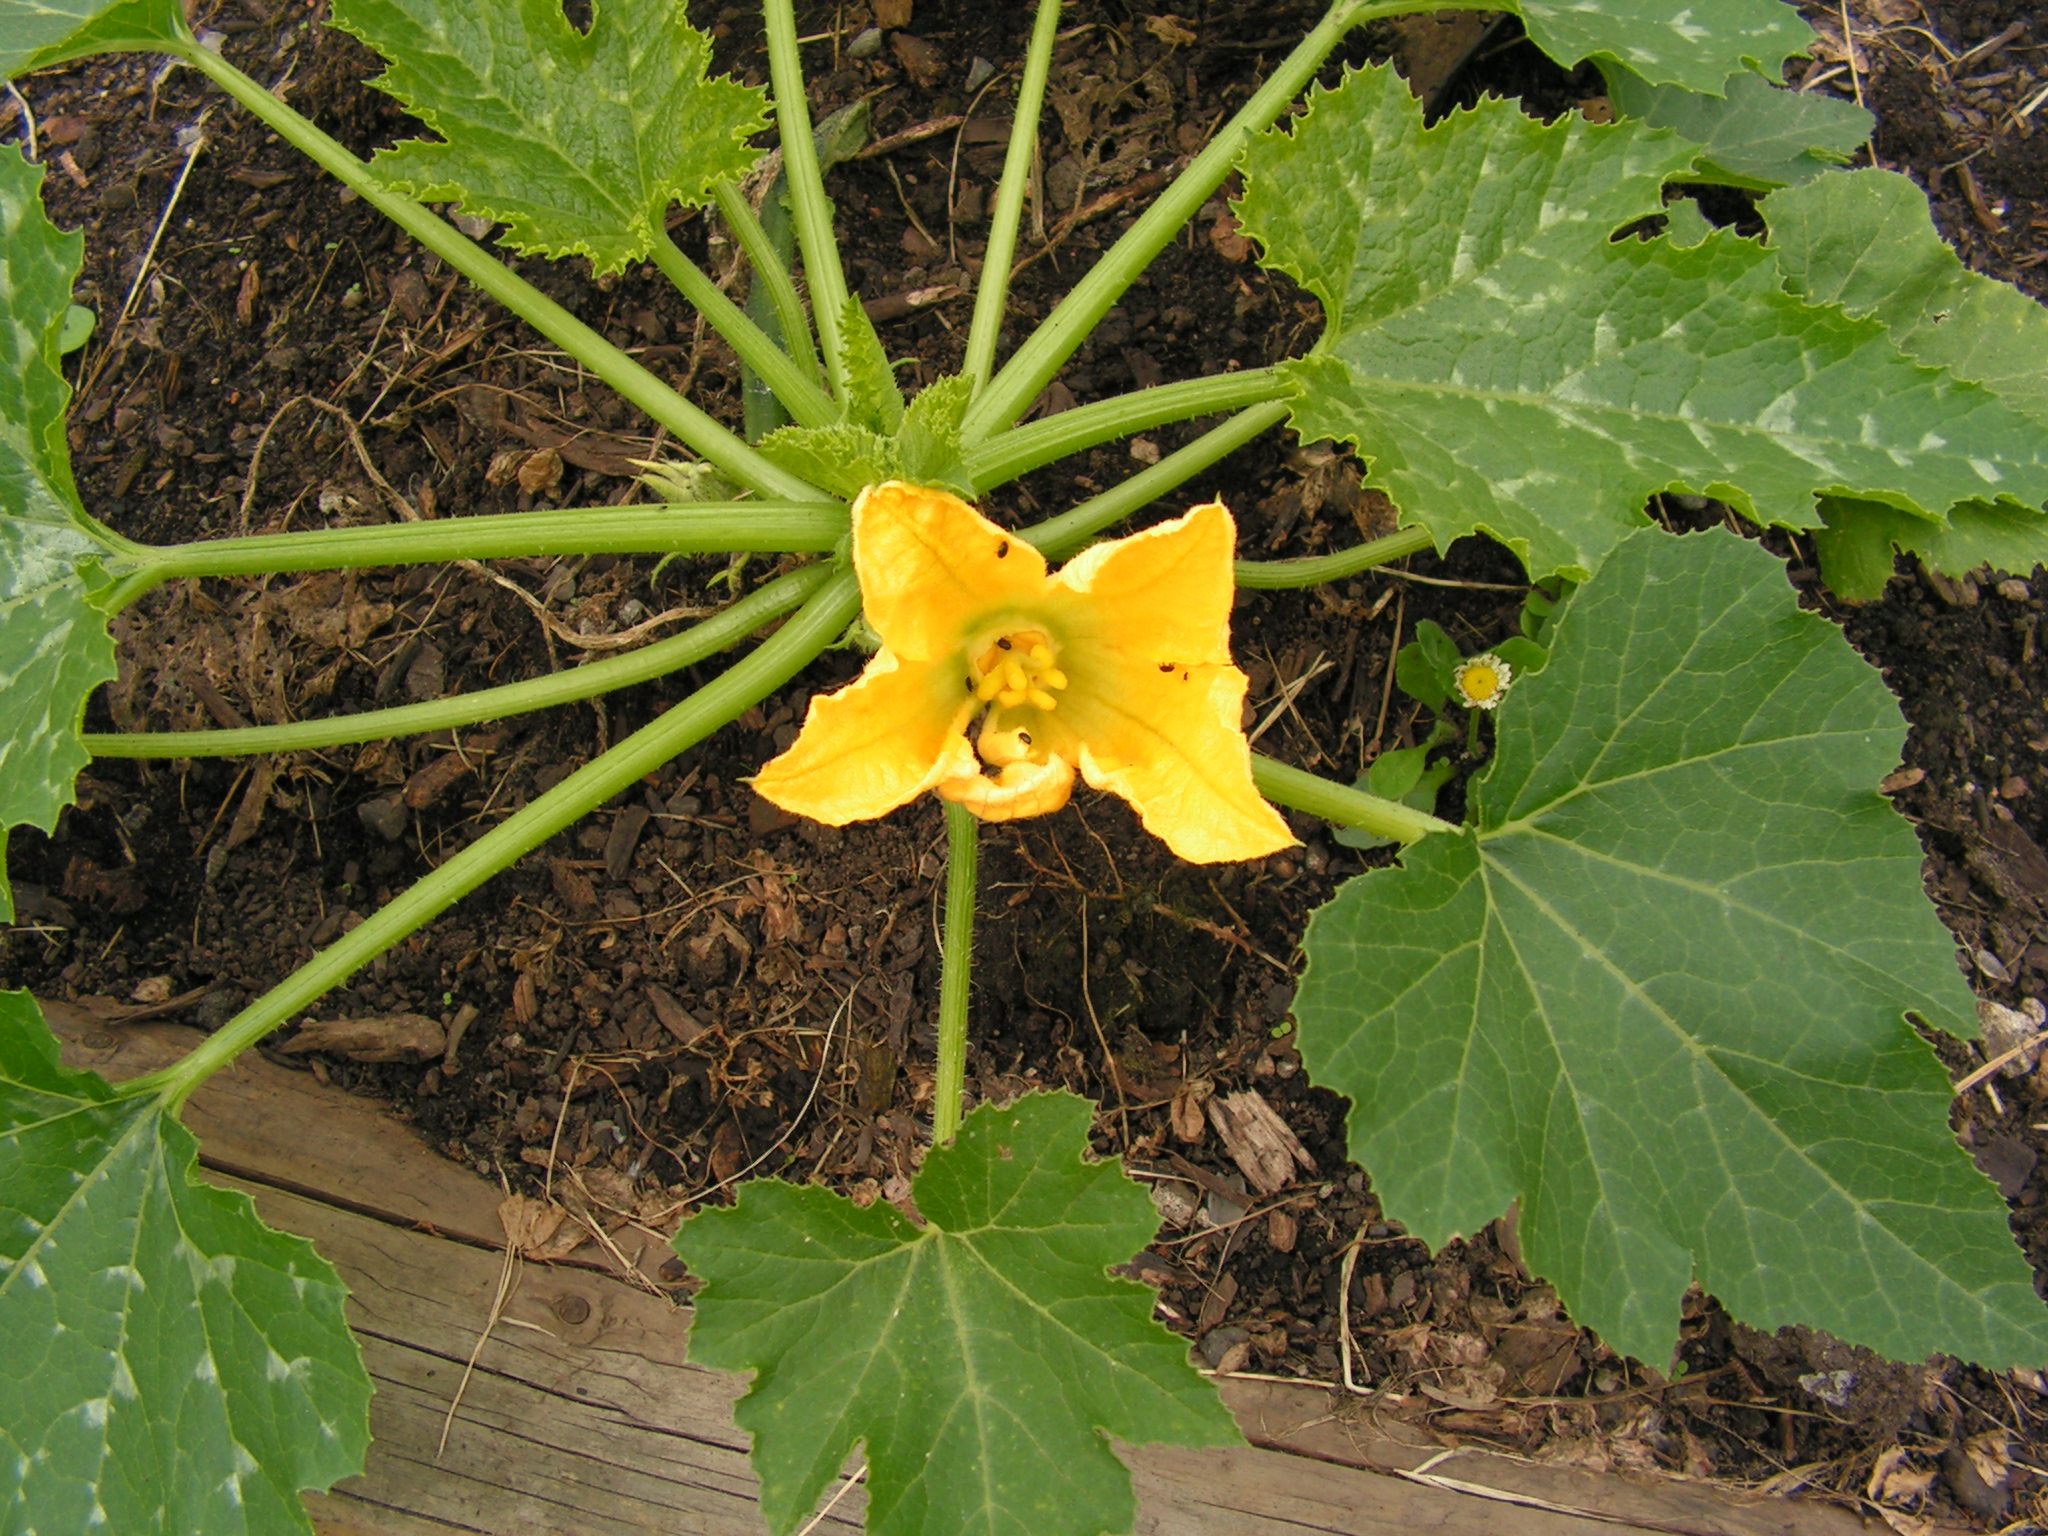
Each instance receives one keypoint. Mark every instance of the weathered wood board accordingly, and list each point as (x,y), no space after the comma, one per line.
(583,1416)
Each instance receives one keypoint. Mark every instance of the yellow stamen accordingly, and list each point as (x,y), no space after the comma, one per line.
(1040,699)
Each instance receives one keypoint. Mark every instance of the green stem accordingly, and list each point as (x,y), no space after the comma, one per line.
(1058,537)
(771,274)
(963,856)
(698,643)
(1276,575)
(809,206)
(1035,363)
(1020,450)
(1341,804)
(681,529)
(993,290)
(690,425)
(799,394)
(766,668)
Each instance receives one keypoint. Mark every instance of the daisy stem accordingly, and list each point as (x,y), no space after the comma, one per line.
(771,664)
(1340,804)
(698,643)
(963,856)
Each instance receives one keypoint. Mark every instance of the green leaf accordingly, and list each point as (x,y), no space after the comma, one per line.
(845,457)
(76,331)
(929,448)
(1685,226)
(1752,133)
(1525,658)
(1423,668)
(872,398)
(1855,547)
(1657,993)
(1697,45)
(982,1359)
(840,458)
(1405,775)
(54,646)
(577,142)
(1864,240)
(35,34)
(171,1364)
(1506,366)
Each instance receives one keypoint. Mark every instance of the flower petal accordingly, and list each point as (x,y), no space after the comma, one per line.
(1169,743)
(1161,595)
(880,742)
(932,568)
(1022,789)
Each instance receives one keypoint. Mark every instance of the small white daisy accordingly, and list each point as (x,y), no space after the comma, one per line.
(1482,681)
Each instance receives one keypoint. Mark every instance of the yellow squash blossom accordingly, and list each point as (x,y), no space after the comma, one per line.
(1118,666)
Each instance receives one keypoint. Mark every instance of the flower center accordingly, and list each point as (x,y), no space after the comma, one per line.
(1482,681)
(1018,670)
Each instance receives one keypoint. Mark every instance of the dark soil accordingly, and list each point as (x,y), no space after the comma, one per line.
(692,987)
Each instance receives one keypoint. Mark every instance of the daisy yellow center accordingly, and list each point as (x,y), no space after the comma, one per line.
(1480,682)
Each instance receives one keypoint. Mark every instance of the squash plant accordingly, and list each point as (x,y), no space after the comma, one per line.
(1677,911)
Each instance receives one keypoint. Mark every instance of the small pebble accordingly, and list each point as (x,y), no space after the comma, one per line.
(1218,1343)
(386,816)
(2013,590)
(2014,788)
(866,45)
(1220,1211)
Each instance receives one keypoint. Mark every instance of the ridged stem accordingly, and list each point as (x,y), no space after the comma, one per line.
(690,425)
(993,290)
(963,859)
(698,643)
(752,679)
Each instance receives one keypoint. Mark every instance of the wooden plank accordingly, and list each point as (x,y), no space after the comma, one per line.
(287,1129)
(584,1416)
